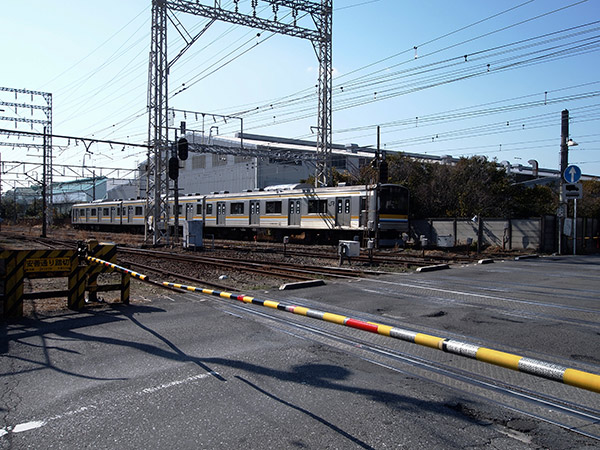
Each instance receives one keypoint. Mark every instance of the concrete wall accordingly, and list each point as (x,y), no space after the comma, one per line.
(510,234)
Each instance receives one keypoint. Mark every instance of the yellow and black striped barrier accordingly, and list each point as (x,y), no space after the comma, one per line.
(550,371)
(16,265)
(118,268)
(20,264)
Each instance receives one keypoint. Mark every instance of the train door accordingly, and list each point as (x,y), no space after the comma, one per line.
(189,211)
(342,212)
(294,213)
(254,212)
(362,221)
(113,214)
(220,213)
(130,214)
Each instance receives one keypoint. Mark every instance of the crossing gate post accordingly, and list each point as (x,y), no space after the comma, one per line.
(13,283)
(106,251)
(125,283)
(77,283)
(101,250)
(92,276)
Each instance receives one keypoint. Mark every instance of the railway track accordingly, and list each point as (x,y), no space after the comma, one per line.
(538,400)
(378,258)
(283,269)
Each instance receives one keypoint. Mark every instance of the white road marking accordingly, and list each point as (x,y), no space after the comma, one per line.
(153,389)
(28,426)
(32,425)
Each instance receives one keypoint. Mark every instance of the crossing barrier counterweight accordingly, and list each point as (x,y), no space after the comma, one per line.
(550,371)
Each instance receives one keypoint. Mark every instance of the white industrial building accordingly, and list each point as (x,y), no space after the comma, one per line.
(254,162)
(251,161)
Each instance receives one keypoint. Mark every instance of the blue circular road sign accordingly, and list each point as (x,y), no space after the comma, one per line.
(572,174)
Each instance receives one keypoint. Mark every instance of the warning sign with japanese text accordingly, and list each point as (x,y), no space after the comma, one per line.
(47,264)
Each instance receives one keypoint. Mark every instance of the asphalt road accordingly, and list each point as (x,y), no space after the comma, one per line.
(197,371)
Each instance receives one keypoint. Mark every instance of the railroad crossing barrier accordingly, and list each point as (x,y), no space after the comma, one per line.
(543,369)
(16,265)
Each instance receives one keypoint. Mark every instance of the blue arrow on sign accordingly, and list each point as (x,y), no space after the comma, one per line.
(572,174)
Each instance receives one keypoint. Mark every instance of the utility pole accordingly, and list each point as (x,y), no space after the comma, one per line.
(44,180)
(564,162)
(1,218)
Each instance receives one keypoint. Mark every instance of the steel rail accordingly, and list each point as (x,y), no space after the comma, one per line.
(265,268)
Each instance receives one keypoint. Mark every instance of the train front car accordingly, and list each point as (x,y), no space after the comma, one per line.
(392,220)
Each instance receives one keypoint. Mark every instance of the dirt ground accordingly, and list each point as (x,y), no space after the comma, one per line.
(25,237)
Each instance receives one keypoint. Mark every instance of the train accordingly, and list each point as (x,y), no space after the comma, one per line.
(300,212)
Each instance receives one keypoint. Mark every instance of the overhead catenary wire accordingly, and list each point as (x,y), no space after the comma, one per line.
(510,63)
(309,97)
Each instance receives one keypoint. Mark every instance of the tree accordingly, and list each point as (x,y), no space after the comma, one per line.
(532,201)
(589,205)
(473,186)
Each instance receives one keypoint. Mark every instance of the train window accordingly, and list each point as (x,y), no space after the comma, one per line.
(317,206)
(138,211)
(273,207)
(298,207)
(93,212)
(198,208)
(347,207)
(209,209)
(339,206)
(180,209)
(393,199)
(118,210)
(105,212)
(237,208)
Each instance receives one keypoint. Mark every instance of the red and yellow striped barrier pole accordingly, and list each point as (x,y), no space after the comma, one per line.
(550,371)
(543,369)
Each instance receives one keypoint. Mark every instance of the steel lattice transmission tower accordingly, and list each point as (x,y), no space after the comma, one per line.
(321,38)
(29,100)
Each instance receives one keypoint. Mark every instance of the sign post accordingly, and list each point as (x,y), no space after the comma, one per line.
(573,190)
(575,227)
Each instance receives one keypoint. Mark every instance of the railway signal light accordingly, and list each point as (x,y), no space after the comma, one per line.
(182,148)
(173,168)
(383,171)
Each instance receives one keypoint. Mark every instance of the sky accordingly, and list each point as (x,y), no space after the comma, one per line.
(459,78)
